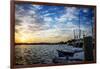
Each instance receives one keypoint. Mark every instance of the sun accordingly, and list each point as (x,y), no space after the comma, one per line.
(23,38)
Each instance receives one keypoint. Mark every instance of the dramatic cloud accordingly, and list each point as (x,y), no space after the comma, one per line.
(39,23)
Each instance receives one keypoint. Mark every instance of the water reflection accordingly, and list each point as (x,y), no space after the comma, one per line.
(42,54)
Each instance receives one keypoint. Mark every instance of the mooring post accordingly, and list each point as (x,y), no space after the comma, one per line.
(88,48)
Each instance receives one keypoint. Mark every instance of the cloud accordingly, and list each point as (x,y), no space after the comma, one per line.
(37,7)
(69,14)
(46,25)
(28,17)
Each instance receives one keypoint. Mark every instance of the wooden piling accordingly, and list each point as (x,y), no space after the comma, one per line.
(88,48)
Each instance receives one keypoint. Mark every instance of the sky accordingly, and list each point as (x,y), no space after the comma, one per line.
(51,24)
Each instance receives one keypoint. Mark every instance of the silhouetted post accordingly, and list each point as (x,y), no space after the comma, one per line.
(88,48)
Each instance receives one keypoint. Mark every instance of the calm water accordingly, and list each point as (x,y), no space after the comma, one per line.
(44,54)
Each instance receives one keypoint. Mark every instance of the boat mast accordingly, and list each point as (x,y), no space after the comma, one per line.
(79,25)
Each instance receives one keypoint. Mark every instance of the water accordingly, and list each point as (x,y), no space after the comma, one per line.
(44,54)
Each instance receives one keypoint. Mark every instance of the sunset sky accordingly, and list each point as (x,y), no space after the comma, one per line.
(43,23)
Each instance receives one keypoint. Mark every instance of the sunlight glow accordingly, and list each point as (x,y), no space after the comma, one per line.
(22,38)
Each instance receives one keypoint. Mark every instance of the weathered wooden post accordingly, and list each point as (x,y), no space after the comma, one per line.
(88,48)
